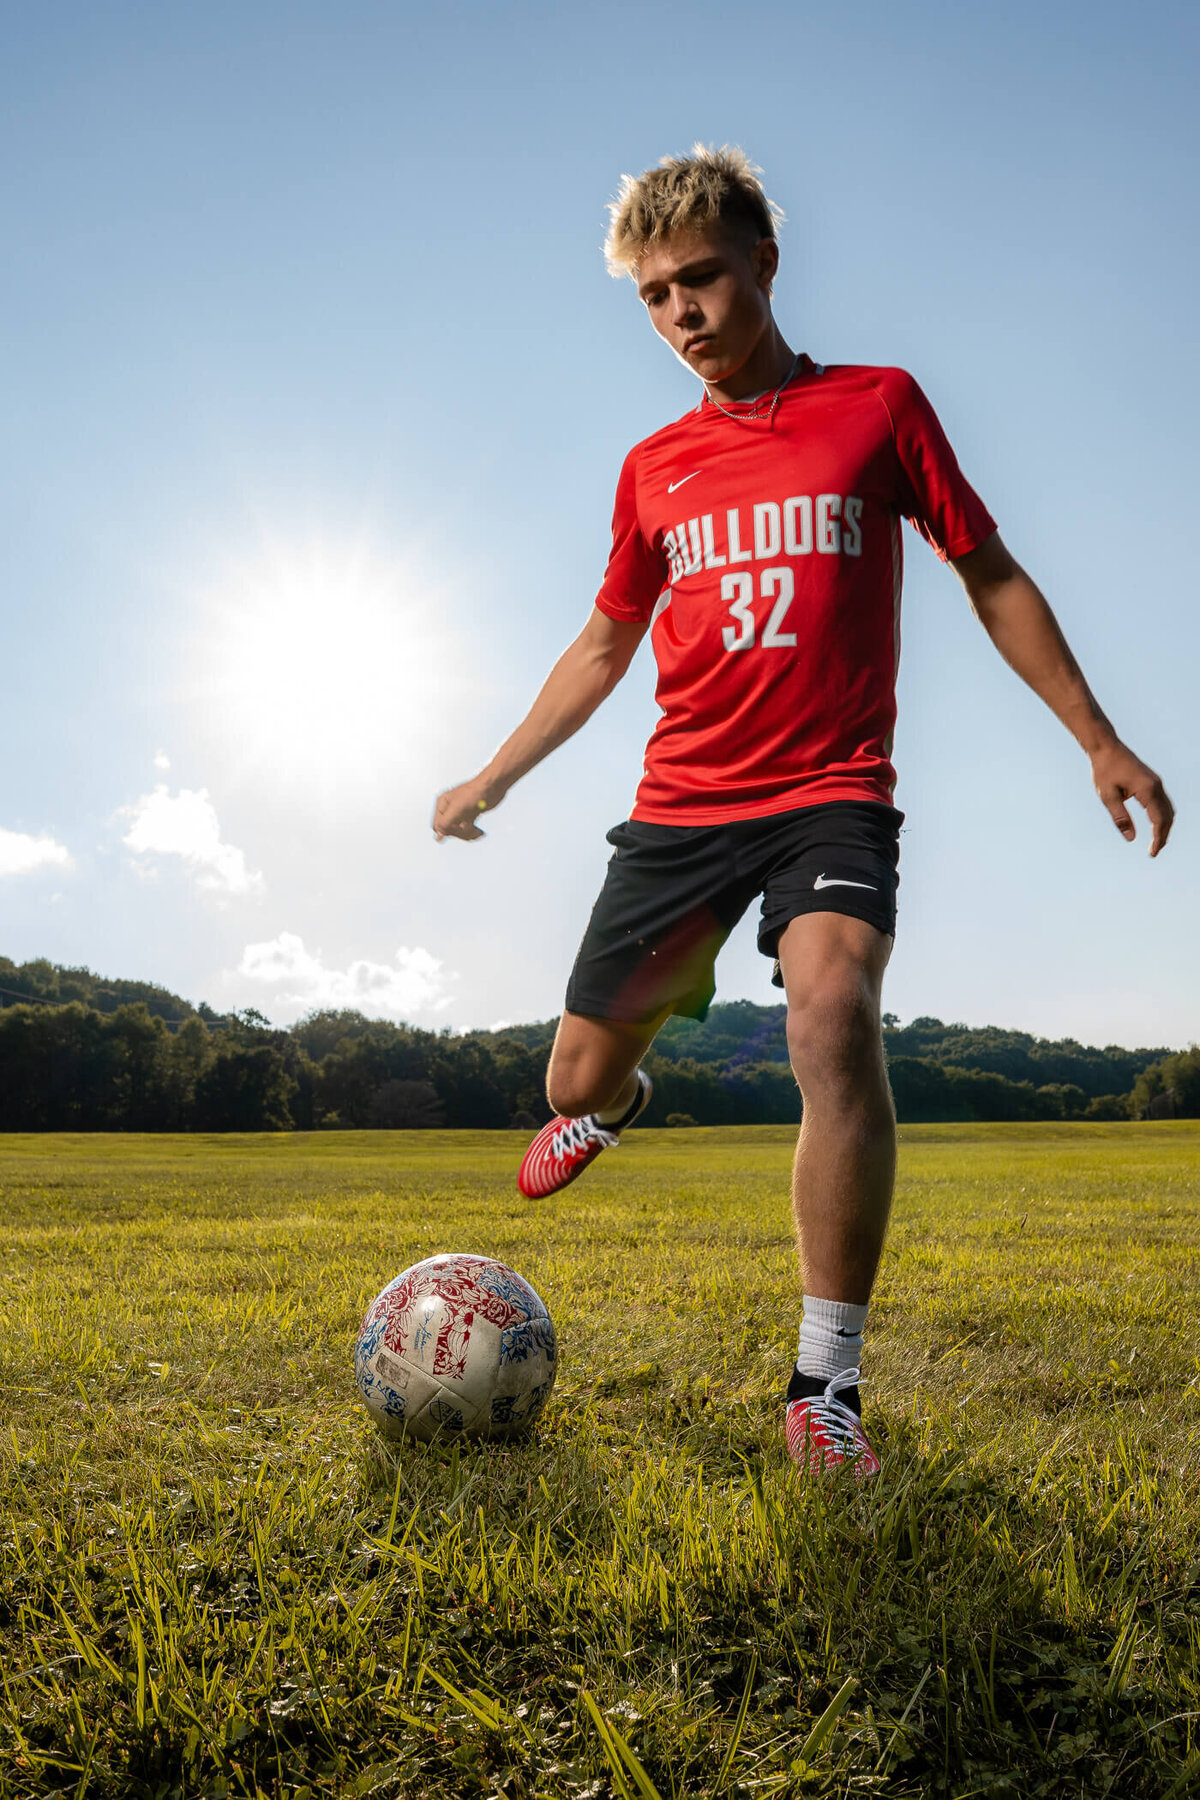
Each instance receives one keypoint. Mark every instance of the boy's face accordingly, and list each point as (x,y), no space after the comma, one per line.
(708,294)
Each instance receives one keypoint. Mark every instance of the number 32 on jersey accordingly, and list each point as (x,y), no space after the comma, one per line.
(737,590)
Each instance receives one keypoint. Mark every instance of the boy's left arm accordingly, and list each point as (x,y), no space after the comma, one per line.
(1019,622)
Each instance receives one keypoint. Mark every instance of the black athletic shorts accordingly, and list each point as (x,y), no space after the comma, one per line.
(673,893)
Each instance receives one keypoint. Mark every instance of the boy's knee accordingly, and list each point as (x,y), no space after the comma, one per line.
(571,1094)
(833,1030)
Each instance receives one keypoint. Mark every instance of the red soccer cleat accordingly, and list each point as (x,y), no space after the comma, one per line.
(823,1433)
(563,1149)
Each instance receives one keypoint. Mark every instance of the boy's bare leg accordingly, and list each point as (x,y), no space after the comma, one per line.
(593,1065)
(846,1157)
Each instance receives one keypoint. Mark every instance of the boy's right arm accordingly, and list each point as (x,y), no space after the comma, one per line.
(584,675)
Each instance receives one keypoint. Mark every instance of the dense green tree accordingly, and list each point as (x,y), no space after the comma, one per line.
(320,1033)
(1018,1056)
(141,1086)
(934,1093)
(405,1106)
(189,1052)
(1183,1075)
(751,1094)
(463,1070)
(1169,1089)
(521,1074)
(246,1088)
(346,1079)
(734,1031)
(81,1053)
(56,1069)
(1108,1107)
(1068,1101)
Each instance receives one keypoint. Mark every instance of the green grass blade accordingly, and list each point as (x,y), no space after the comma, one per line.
(619,1751)
(489,1712)
(739,1725)
(811,1746)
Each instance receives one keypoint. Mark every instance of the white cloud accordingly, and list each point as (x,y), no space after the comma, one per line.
(162,760)
(21,854)
(414,983)
(186,825)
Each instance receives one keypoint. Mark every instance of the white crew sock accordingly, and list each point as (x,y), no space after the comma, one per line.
(619,1116)
(830,1337)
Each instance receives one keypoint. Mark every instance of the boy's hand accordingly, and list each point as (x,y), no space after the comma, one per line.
(585,673)
(457,811)
(1119,776)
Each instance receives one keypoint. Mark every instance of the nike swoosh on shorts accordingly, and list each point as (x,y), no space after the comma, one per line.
(835,881)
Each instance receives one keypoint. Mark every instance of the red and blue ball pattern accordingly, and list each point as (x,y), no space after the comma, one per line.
(458,1345)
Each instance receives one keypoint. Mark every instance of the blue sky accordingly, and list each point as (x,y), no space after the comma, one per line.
(317,391)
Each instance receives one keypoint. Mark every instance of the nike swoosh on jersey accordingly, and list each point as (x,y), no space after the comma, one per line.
(836,881)
(672,485)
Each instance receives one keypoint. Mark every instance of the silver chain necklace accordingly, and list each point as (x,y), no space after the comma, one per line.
(759,416)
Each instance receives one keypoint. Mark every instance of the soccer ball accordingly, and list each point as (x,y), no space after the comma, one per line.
(456,1346)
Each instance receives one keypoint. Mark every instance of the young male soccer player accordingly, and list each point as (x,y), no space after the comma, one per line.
(757,539)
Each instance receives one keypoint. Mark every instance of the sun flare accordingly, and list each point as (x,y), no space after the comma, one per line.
(327,665)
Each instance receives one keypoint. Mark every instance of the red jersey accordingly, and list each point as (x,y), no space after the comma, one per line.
(767,558)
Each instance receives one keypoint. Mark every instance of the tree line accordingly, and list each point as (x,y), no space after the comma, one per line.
(80,1053)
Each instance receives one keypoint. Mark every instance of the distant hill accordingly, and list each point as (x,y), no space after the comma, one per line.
(42,980)
(735,1033)
(739,1032)
(1017,1055)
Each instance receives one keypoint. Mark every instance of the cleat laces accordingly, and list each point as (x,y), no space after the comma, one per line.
(576,1135)
(839,1421)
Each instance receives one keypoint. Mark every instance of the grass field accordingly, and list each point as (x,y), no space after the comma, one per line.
(215,1579)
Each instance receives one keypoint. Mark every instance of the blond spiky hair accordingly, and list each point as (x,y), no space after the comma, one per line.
(686,193)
